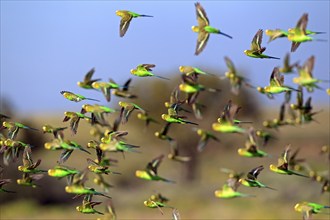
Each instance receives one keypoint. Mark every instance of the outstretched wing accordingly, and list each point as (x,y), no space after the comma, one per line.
(201,15)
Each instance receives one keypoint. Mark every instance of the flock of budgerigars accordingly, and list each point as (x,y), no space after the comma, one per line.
(106,137)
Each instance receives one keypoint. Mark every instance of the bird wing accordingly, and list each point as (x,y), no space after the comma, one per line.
(89,75)
(165,129)
(308,68)
(276,79)
(154,164)
(27,159)
(202,40)
(148,66)
(201,15)
(124,24)
(256,41)
(126,85)
(302,22)
(230,65)
(253,174)
(252,136)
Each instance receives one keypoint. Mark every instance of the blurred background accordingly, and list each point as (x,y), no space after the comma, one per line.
(46,47)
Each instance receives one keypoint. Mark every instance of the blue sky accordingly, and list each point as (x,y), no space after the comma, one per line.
(47,46)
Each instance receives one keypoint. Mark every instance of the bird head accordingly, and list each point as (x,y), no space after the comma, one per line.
(260,89)
(246,51)
(5,124)
(293,106)
(119,13)
(133,71)
(181,69)
(200,131)
(51,172)
(20,168)
(195,29)
(46,128)
(9,142)
(68,189)
(258,133)
(78,208)
(266,124)
(269,32)
(96,85)
(20,181)
(164,116)
(140,116)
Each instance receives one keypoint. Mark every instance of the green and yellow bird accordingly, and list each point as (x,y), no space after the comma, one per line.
(119,146)
(236,80)
(175,155)
(275,33)
(157,201)
(305,113)
(145,117)
(75,97)
(88,81)
(74,118)
(287,67)
(172,117)
(256,50)
(251,146)
(29,179)
(126,109)
(123,92)
(204,29)
(28,165)
(251,179)
(97,112)
(100,181)
(68,147)
(126,17)
(56,131)
(205,137)
(283,165)
(309,208)
(229,190)
(98,168)
(265,136)
(112,136)
(55,144)
(190,85)
(226,123)
(305,77)
(105,88)
(276,85)
(87,206)
(13,128)
(162,134)
(145,70)
(192,88)
(82,190)
(192,71)
(60,171)
(175,101)
(151,171)
(300,34)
